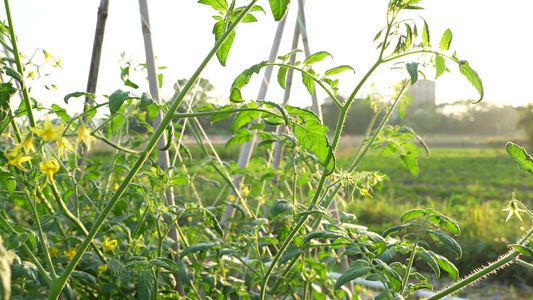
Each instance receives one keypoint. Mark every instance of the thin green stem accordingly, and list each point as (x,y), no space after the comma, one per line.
(58,285)
(28,252)
(42,238)
(412,257)
(500,263)
(116,146)
(16,54)
(524,264)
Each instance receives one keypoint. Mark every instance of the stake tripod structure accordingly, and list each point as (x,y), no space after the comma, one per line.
(162,156)
(300,30)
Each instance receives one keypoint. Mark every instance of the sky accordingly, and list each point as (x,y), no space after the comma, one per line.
(493,37)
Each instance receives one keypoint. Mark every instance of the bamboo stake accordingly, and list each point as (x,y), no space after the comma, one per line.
(247,148)
(162,156)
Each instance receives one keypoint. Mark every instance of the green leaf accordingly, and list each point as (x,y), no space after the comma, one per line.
(242,136)
(185,273)
(214,222)
(446,265)
(522,249)
(394,278)
(15,74)
(16,240)
(440,65)
(291,252)
(414,213)
(216,118)
(412,69)
(425,256)
(377,239)
(347,217)
(304,114)
(446,40)
(327,234)
(442,237)
(244,117)
(153,110)
(8,181)
(279,8)
(170,136)
(223,51)
(162,264)
(242,80)
(377,35)
(146,285)
(80,275)
(314,58)
(445,222)
(313,137)
(77,95)
(219,5)
(282,75)
(337,70)
(146,99)
(410,162)
(393,229)
(520,156)
(280,108)
(286,56)
(473,77)
(280,206)
(179,180)
(116,100)
(6,91)
(357,269)
(409,37)
(308,81)
(198,248)
(425,34)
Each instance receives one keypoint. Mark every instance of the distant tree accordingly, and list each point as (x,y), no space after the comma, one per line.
(357,120)
(525,121)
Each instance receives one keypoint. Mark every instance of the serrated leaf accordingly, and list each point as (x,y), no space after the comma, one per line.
(15,74)
(445,222)
(473,77)
(327,234)
(308,81)
(522,249)
(198,248)
(377,239)
(146,285)
(446,40)
(316,57)
(412,69)
(242,136)
(393,229)
(410,162)
(357,269)
(162,264)
(280,206)
(279,8)
(214,222)
(440,65)
(223,51)
(282,76)
(413,214)
(313,137)
(394,278)
(442,237)
(116,100)
(219,5)
(337,70)
(77,95)
(428,258)
(520,156)
(242,80)
(244,117)
(301,113)
(425,34)
(291,252)
(446,265)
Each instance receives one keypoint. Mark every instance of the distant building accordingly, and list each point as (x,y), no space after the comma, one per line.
(423,91)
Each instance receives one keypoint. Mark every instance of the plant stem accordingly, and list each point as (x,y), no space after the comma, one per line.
(16,54)
(500,263)
(58,285)
(412,257)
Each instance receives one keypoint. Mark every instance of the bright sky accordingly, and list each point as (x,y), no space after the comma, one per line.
(493,37)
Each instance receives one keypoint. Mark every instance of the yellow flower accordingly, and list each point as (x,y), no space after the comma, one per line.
(513,209)
(53,251)
(84,136)
(115,187)
(102,269)
(57,63)
(31,74)
(16,159)
(64,145)
(231,198)
(49,167)
(245,191)
(364,192)
(109,244)
(27,145)
(48,132)
(70,253)
(47,56)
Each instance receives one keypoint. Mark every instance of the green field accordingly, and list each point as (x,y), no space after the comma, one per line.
(469,185)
